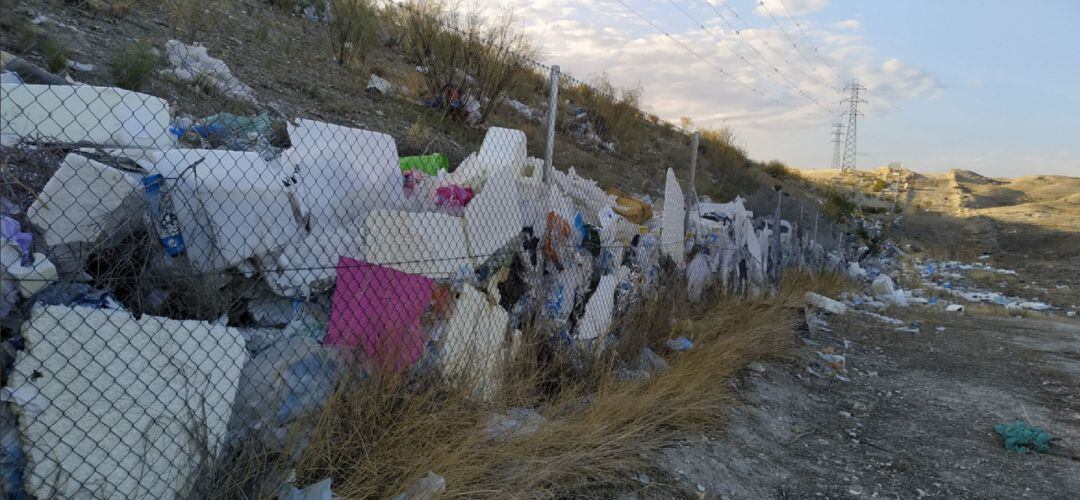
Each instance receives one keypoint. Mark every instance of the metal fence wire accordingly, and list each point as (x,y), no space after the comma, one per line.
(173,286)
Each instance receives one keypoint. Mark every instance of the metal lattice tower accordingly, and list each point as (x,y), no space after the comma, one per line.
(853,101)
(837,152)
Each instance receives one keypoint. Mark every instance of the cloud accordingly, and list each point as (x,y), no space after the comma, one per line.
(795,7)
(761,91)
(848,24)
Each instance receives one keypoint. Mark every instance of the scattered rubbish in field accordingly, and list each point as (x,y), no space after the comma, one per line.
(939,329)
(908,329)
(192,63)
(318,491)
(1023,437)
(957,308)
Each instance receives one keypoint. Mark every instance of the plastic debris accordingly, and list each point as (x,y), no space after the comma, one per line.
(825,303)
(191,62)
(379,309)
(908,329)
(429,487)
(136,389)
(106,116)
(318,491)
(1023,437)
(76,294)
(517,422)
(680,344)
(429,164)
(633,209)
(957,308)
(161,213)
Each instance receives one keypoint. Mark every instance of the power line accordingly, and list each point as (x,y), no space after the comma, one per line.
(813,66)
(811,42)
(762,40)
(789,85)
(695,54)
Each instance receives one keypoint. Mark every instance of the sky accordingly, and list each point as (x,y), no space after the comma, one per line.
(986,85)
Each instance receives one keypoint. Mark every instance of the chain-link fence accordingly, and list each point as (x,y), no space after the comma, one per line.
(174,285)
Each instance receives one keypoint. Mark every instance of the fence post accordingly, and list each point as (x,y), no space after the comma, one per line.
(801,235)
(553,110)
(691,193)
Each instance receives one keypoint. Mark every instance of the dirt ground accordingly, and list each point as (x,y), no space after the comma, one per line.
(915,420)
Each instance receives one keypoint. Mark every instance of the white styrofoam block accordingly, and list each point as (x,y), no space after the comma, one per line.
(106,116)
(494,216)
(127,400)
(231,207)
(502,149)
(308,264)
(428,243)
(343,172)
(473,345)
(597,317)
(672,220)
(32,278)
(80,201)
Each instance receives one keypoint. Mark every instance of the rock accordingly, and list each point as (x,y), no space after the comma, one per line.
(81,201)
(380,85)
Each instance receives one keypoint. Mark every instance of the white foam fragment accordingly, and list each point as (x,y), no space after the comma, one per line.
(105,116)
(191,62)
(232,206)
(672,231)
(81,201)
(343,173)
(494,216)
(431,244)
(825,303)
(128,400)
(473,345)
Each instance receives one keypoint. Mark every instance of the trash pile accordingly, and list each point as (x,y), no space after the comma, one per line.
(196,283)
(946,277)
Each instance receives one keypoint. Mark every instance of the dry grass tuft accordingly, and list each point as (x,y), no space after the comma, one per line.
(376,438)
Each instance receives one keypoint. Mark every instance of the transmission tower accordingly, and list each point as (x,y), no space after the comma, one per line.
(837,131)
(853,101)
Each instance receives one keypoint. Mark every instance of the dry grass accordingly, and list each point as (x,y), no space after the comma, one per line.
(377,437)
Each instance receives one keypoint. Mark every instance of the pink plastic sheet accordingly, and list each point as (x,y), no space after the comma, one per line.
(379,309)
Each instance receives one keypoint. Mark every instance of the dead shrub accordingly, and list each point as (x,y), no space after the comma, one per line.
(465,57)
(614,113)
(354,29)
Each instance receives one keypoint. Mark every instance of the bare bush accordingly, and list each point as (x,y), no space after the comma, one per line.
(468,61)
(354,29)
